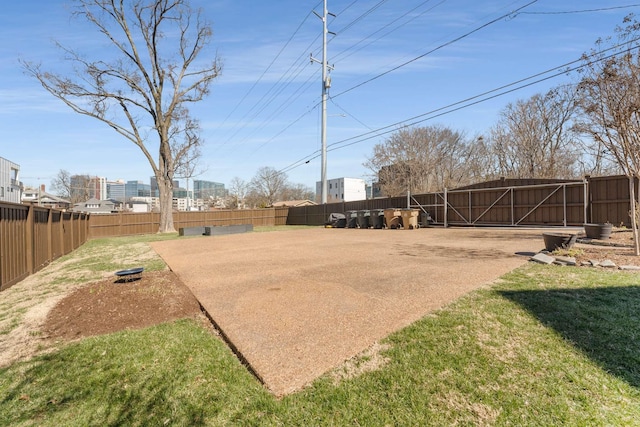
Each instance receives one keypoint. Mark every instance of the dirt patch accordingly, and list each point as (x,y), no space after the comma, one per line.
(618,248)
(620,256)
(109,306)
(369,360)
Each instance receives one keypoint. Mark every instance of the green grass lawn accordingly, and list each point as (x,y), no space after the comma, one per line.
(545,346)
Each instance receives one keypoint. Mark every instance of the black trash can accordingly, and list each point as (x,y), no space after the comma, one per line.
(376,218)
(352,219)
(363,218)
(425,219)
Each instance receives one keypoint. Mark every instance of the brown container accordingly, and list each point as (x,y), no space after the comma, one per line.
(409,218)
(392,218)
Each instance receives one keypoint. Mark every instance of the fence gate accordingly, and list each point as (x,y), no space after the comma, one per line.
(557,204)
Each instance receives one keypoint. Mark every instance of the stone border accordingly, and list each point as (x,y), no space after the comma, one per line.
(547,258)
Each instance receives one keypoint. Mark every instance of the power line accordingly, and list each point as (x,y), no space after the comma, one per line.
(361,17)
(456,106)
(493,21)
(267,69)
(465,103)
(276,85)
(602,9)
(349,114)
(281,108)
(444,110)
(347,8)
(408,62)
(341,55)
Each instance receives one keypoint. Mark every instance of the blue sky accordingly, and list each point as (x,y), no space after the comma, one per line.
(264,108)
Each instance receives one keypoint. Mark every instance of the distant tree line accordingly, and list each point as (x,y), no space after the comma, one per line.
(539,137)
(266,187)
(590,127)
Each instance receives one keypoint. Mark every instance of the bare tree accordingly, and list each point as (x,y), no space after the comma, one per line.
(420,159)
(478,162)
(61,184)
(533,138)
(187,165)
(610,99)
(266,186)
(145,87)
(75,188)
(238,189)
(297,192)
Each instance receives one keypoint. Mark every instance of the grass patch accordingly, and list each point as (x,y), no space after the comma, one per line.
(14,318)
(546,346)
(180,375)
(572,252)
(94,260)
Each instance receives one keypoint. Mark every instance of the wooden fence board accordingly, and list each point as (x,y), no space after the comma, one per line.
(33,236)
(503,203)
(129,223)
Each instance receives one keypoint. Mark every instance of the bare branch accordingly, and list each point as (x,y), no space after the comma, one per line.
(146,84)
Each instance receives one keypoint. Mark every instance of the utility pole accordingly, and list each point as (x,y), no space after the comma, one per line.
(326,84)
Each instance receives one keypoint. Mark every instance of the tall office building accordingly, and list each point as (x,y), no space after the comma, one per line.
(85,187)
(137,189)
(116,190)
(208,189)
(154,186)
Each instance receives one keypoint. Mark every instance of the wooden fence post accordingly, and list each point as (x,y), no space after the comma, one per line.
(29,232)
(587,199)
(446,209)
(61,233)
(73,234)
(49,234)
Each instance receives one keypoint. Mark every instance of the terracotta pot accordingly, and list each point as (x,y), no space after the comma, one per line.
(553,241)
(598,231)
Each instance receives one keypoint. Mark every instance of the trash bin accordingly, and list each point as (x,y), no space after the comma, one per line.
(392,218)
(363,218)
(376,218)
(352,219)
(425,219)
(409,218)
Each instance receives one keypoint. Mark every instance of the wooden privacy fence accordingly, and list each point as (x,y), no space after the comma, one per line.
(558,204)
(128,223)
(529,202)
(33,236)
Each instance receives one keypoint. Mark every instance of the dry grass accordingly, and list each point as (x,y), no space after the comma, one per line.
(24,306)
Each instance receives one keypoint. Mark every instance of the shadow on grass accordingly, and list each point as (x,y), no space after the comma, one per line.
(604,323)
(169,374)
(100,402)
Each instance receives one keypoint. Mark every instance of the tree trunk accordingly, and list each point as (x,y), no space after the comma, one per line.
(634,225)
(165,191)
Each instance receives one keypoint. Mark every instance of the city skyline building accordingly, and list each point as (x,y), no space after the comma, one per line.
(137,189)
(208,189)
